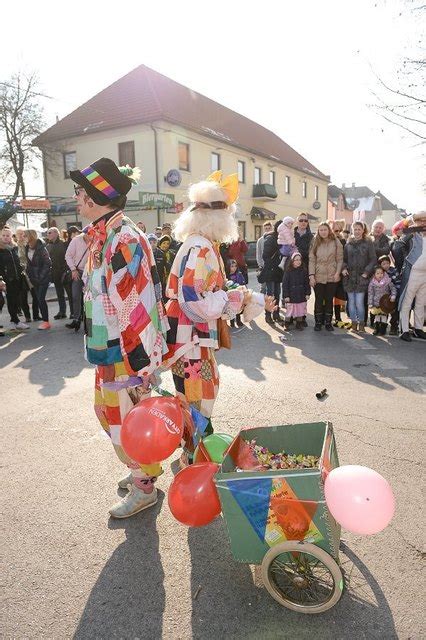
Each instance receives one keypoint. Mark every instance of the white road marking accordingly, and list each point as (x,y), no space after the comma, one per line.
(385,362)
(358,343)
(415,383)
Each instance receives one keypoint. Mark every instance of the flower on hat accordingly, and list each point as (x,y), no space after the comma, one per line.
(133,173)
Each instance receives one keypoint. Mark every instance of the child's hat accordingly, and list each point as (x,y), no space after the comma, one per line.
(288,220)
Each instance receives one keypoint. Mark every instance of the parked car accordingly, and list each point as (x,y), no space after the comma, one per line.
(251,254)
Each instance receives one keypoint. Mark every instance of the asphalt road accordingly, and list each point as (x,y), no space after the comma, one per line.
(70,572)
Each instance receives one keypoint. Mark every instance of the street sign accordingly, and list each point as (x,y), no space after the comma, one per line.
(156,200)
(34,204)
(173,178)
(316,205)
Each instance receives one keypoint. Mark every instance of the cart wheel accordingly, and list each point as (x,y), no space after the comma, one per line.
(302,577)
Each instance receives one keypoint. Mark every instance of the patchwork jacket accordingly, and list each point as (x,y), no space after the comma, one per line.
(124,315)
(197,298)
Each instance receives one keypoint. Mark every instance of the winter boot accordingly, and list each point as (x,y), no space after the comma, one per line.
(354,326)
(305,324)
(289,321)
(232,324)
(238,320)
(277,318)
(328,325)
(318,322)
(136,500)
(268,317)
(299,324)
(361,327)
(383,327)
(377,327)
(419,333)
(337,315)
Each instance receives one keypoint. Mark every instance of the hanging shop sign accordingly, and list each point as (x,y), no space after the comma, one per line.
(173,178)
(34,204)
(149,200)
(178,208)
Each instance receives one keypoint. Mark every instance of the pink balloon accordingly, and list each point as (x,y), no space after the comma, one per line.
(359,498)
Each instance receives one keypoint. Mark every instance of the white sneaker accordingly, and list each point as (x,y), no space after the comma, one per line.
(136,500)
(21,326)
(124,482)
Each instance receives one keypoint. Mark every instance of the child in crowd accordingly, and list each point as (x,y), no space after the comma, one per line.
(238,278)
(286,239)
(395,276)
(380,284)
(295,290)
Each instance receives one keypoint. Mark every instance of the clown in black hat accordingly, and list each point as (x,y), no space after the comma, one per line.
(125,323)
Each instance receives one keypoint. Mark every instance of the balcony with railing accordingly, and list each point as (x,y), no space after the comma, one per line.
(264,192)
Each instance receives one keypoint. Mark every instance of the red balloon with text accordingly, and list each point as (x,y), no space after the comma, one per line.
(193,497)
(152,430)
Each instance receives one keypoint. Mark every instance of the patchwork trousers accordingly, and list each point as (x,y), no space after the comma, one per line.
(113,400)
(196,378)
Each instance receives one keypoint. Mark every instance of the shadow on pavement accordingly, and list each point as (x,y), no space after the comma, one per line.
(252,364)
(52,357)
(381,362)
(224,587)
(128,598)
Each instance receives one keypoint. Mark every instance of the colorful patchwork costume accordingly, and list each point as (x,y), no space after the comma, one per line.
(198,299)
(125,322)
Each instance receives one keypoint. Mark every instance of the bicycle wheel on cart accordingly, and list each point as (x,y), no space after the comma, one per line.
(302,577)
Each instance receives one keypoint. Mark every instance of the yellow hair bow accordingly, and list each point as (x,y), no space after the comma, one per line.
(229,184)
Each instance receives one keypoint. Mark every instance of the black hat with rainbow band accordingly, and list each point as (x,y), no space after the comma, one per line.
(103,181)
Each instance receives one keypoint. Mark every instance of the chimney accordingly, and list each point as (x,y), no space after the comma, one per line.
(353,185)
(343,185)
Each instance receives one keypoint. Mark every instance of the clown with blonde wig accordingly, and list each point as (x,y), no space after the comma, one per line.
(199,298)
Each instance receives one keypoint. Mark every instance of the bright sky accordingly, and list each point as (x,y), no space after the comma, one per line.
(302,69)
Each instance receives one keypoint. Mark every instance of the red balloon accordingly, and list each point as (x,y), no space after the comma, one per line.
(193,497)
(152,429)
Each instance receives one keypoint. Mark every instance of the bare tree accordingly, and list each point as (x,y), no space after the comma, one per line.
(401,100)
(21,120)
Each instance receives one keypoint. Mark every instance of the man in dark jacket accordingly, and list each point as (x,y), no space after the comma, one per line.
(57,250)
(12,275)
(303,237)
(272,274)
(380,239)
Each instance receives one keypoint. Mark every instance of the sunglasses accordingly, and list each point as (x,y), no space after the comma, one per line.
(77,189)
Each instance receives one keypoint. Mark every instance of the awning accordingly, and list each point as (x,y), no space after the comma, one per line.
(257,213)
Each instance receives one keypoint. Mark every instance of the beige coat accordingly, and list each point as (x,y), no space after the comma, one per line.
(326,261)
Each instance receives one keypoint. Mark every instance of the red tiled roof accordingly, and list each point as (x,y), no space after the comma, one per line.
(144,95)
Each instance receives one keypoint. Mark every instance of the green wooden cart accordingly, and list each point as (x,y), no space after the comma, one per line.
(279,519)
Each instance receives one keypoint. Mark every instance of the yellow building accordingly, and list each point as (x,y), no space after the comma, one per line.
(177,136)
